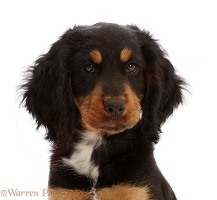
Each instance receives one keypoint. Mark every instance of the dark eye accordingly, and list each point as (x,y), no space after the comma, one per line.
(89,68)
(131,67)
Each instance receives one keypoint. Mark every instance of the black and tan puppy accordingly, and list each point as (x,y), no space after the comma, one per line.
(103,92)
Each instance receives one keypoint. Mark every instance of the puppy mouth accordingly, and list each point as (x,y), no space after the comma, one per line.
(112,127)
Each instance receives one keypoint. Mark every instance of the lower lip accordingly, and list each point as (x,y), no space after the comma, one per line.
(113,127)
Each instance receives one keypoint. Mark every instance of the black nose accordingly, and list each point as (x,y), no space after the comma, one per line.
(114,107)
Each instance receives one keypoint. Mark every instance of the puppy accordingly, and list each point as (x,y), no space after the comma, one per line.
(103,92)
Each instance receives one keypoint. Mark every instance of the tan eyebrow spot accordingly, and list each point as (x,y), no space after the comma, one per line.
(125,54)
(96,56)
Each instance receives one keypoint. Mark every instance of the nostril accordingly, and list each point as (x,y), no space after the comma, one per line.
(121,109)
(110,110)
(114,107)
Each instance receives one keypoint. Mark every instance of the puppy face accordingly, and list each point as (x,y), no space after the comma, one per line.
(101,78)
(107,81)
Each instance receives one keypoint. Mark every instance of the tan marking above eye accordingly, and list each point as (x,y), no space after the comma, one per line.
(96,56)
(125,54)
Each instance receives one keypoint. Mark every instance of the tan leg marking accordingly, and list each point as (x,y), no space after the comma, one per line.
(124,192)
(66,194)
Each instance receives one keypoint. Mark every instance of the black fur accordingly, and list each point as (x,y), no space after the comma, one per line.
(56,80)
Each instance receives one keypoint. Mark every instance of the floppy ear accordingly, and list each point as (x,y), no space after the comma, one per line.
(163,87)
(48,94)
(172,91)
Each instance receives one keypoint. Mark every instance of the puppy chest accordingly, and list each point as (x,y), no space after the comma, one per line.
(81,159)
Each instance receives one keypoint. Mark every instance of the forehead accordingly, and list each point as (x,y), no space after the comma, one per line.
(124,56)
(110,34)
(109,41)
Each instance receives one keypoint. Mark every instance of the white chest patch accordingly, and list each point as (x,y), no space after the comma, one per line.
(80,160)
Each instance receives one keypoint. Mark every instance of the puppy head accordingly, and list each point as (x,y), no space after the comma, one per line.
(100,79)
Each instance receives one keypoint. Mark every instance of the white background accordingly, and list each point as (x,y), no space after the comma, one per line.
(187,29)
